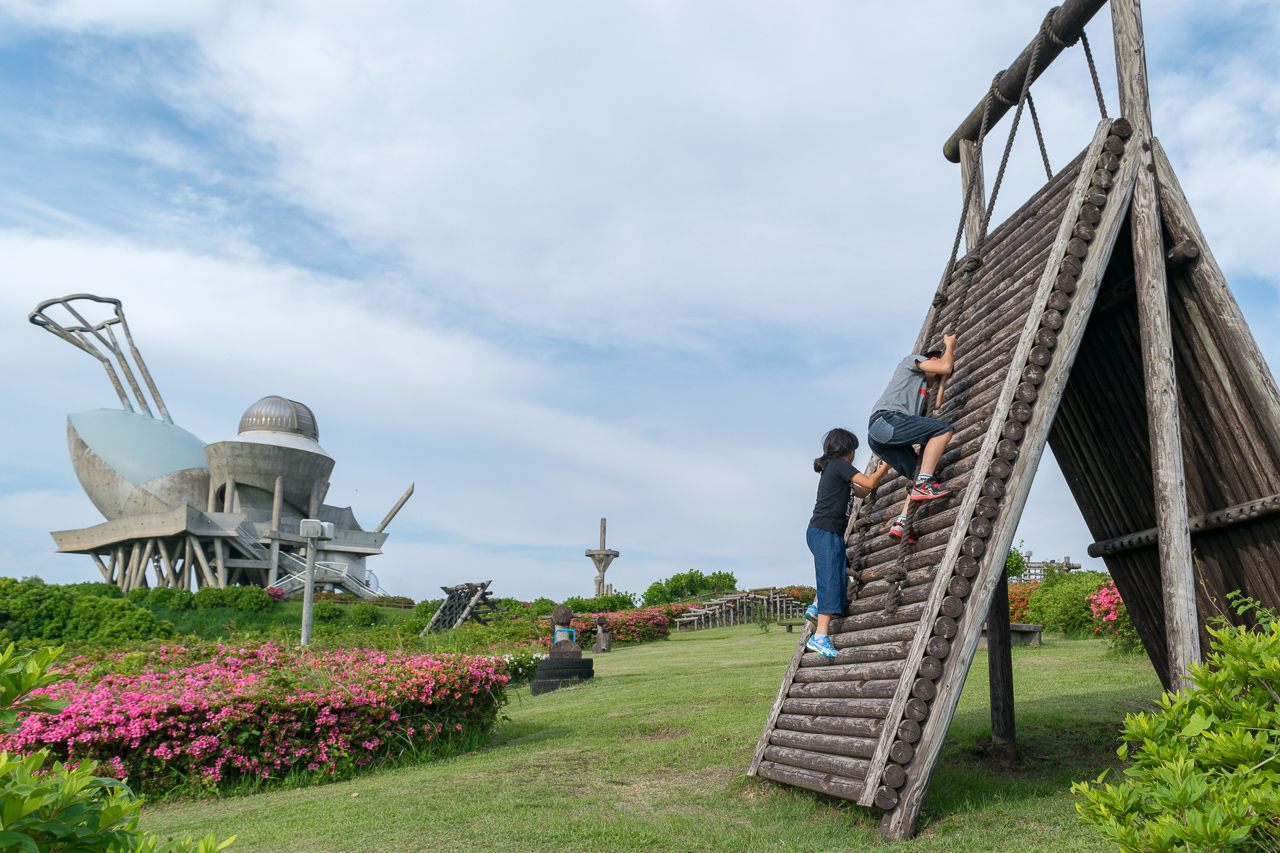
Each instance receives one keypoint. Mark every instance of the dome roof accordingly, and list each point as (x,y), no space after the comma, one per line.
(276,414)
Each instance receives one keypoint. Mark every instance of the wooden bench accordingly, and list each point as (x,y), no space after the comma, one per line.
(1019,635)
(790,625)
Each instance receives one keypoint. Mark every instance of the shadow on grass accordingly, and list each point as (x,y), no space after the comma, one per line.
(1058,742)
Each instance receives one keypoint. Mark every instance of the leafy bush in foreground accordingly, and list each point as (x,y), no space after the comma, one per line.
(64,807)
(1202,775)
(209,714)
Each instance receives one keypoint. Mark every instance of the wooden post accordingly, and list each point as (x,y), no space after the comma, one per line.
(1176,569)
(971,165)
(1000,672)
(277,507)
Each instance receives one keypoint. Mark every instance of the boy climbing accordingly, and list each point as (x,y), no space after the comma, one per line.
(898,422)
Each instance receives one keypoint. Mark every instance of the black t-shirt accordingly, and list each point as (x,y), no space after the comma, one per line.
(831,510)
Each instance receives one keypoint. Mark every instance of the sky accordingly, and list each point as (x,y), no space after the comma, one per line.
(549,261)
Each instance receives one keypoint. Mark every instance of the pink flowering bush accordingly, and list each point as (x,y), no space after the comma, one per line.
(1111,618)
(208,715)
(631,626)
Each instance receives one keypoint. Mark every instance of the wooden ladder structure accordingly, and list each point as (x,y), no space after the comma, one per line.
(1082,330)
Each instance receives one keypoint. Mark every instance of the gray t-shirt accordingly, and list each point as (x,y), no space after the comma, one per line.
(907,391)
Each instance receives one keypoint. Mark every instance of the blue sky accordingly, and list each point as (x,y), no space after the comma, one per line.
(550,261)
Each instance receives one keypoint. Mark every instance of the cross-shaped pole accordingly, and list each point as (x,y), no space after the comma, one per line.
(602,558)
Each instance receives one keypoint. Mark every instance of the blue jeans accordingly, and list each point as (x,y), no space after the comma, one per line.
(830,565)
(892,434)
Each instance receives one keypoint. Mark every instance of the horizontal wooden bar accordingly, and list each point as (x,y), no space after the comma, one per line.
(840,765)
(1067,24)
(1228,517)
(823,783)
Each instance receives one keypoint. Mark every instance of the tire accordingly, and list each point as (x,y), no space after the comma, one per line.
(537,688)
(565,665)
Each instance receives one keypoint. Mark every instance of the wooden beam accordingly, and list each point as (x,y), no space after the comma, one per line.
(1232,515)
(1177,572)
(971,169)
(1067,24)
(1000,670)
(1215,298)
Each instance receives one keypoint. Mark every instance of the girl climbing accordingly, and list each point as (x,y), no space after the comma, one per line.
(898,423)
(826,529)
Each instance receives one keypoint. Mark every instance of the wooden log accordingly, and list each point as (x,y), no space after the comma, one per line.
(930,668)
(971,180)
(945,627)
(1090,213)
(1000,670)
(1066,25)
(980,527)
(952,607)
(909,731)
(1183,252)
(812,672)
(875,689)
(842,625)
(900,823)
(902,752)
(839,765)
(872,595)
(916,709)
(873,636)
(988,507)
(1229,517)
(845,726)
(894,776)
(966,567)
(1215,297)
(1000,469)
(958,586)
(1176,569)
(1109,161)
(886,798)
(1083,231)
(1059,302)
(811,780)
(837,707)
(938,647)
(854,747)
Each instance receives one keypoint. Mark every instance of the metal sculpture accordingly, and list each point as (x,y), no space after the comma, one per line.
(184,514)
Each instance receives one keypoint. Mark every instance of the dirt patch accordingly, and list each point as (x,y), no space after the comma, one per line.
(643,795)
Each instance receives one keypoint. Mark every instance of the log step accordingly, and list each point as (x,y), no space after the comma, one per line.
(840,765)
(854,726)
(853,747)
(837,707)
(823,783)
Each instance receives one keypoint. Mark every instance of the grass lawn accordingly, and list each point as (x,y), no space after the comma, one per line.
(652,755)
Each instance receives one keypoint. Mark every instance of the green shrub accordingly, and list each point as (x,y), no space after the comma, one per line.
(48,807)
(326,611)
(411,627)
(98,588)
(160,598)
(33,609)
(209,597)
(424,610)
(603,604)
(251,599)
(1015,565)
(540,607)
(1200,773)
(688,583)
(365,615)
(183,599)
(139,595)
(1061,601)
(96,619)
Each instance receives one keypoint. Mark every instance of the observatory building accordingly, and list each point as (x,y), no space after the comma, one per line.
(184,514)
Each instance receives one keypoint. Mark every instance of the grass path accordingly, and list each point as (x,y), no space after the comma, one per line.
(651,756)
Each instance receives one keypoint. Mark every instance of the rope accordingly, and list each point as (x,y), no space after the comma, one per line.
(1044,152)
(1093,72)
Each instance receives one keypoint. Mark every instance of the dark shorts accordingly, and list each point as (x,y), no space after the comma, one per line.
(892,434)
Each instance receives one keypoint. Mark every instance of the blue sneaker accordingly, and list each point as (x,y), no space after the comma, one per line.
(821,645)
(811,613)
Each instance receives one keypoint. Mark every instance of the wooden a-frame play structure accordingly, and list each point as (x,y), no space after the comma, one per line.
(1094,320)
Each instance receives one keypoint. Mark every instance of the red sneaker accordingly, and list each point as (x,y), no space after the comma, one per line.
(929,491)
(901,528)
